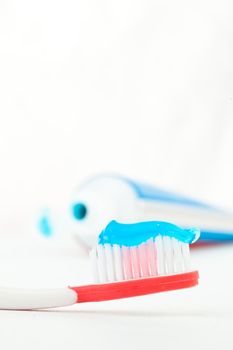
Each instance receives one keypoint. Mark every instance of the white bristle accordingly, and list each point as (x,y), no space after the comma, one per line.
(109,263)
(127,265)
(151,254)
(186,255)
(101,264)
(135,262)
(160,255)
(178,256)
(169,259)
(94,265)
(156,257)
(143,259)
(118,262)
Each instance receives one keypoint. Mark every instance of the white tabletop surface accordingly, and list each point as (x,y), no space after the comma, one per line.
(200,317)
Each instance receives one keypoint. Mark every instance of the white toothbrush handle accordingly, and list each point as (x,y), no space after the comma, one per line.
(28,299)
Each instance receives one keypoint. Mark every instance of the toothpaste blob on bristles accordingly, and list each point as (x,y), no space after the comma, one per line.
(145,249)
(130,235)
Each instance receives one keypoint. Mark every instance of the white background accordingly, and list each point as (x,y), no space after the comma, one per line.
(144,88)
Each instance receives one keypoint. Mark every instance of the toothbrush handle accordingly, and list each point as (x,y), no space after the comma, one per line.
(133,288)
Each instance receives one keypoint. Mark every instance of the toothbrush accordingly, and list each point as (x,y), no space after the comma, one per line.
(130,260)
(111,197)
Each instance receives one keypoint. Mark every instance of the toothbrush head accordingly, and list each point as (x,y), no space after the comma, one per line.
(130,260)
(146,249)
(139,259)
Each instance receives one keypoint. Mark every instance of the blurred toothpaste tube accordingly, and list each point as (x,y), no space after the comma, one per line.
(107,197)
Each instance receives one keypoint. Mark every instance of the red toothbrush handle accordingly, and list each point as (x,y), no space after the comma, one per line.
(133,288)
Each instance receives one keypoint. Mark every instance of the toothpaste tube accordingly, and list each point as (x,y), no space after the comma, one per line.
(110,197)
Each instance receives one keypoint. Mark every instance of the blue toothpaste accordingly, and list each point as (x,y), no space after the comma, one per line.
(134,234)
